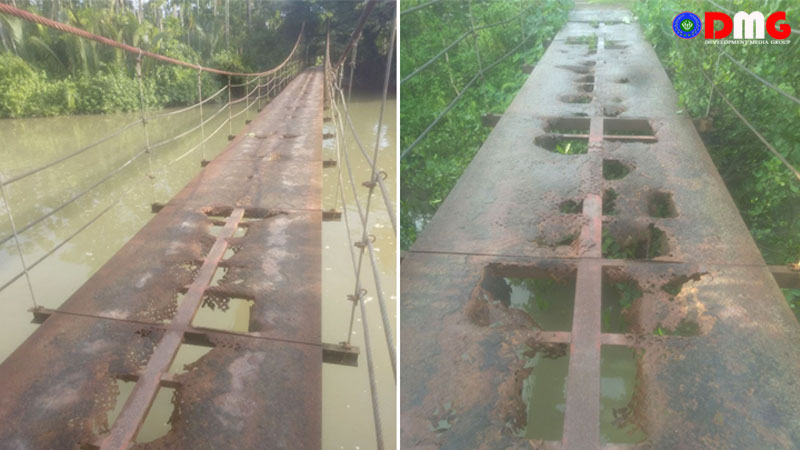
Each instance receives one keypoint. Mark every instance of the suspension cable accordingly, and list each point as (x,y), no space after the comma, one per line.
(759,78)
(752,128)
(25,268)
(460,95)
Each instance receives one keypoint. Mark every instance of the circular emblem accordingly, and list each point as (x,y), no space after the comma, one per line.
(686,25)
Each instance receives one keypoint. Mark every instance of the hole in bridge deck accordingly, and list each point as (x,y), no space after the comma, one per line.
(216,230)
(637,243)
(544,392)
(617,297)
(579,98)
(187,354)
(124,389)
(230,314)
(564,146)
(156,423)
(614,45)
(614,169)
(618,378)
(660,204)
(586,79)
(614,128)
(567,125)
(609,202)
(548,301)
(571,207)
(219,273)
(576,69)
(230,251)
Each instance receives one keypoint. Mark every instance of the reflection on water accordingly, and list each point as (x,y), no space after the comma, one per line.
(29,143)
(549,302)
(617,382)
(544,391)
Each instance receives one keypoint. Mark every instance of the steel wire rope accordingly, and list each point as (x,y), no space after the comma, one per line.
(458,97)
(752,128)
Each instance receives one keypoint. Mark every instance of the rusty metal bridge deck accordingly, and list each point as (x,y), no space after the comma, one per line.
(260,198)
(730,383)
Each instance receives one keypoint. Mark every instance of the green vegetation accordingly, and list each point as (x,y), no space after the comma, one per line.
(765,191)
(571,207)
(793,297)
(617,298)
(648,247)
(431,169)
(609,202)
(572,146)
(46,72)
(684,328)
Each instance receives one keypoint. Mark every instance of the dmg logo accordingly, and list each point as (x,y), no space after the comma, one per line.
(743,25)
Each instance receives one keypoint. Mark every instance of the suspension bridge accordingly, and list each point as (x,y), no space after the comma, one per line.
(589,282)
(245,231)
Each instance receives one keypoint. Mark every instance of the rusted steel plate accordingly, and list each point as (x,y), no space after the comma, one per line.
(60,384)
(126,426)
(248,394)
(710,321)
(248,389)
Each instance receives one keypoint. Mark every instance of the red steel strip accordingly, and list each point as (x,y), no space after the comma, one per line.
(582,415)
(125,428)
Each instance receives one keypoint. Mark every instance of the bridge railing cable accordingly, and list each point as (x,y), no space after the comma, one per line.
(473,31)
(342,123)
(732,12)
(754,76)
(275,79)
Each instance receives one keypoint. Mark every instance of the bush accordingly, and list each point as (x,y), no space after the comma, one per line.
(109,92)
(18,82)
(432,168)
(765,191)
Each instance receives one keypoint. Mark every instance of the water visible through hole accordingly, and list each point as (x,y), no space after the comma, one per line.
(614,170)
(549,302)
(187,354)
(215,230)
(218,274)
(156,424)
(228,253)
(125,389)
(235,318)
(240,232)
(544,392)
(617,383)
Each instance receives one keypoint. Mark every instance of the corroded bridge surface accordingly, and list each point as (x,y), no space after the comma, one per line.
(716,345)
(260,198)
